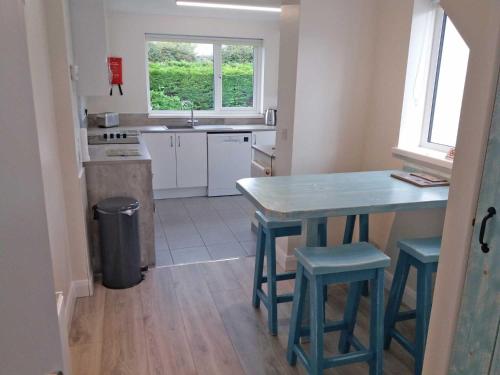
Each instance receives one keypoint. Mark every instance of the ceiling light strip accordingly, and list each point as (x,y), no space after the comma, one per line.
(228,6)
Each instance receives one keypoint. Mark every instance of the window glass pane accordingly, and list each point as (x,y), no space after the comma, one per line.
(450,87)
(237,75)
(178,72)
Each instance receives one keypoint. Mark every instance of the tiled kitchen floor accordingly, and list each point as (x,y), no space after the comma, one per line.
(190,230)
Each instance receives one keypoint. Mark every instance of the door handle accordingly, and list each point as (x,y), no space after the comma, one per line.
(484,246)
(179,140)
(171,141)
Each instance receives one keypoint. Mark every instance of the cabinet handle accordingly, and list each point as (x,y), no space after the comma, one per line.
(171,141)
(179,140)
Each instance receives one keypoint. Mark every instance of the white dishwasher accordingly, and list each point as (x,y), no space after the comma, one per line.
(229,159)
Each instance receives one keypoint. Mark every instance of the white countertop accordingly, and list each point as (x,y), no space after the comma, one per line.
(195,129)
(98,154)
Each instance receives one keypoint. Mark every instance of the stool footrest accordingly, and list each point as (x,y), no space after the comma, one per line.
(284,298)
(345,359)
(302,357)
(403,341)
(281,277)
(329,326)
(361,355)
(288,297)
(406,315)
(357,344)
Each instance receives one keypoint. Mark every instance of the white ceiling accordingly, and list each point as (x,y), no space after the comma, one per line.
(168,7)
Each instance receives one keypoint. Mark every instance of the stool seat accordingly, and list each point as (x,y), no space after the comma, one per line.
(425,250)
(344,258)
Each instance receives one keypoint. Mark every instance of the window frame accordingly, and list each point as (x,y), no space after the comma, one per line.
(441,21)
(432,83)
(219,110)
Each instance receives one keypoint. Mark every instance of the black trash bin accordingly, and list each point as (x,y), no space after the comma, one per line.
(119,240)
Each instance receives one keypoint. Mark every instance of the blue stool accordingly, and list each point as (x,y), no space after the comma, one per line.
(354,263)
(267,233)
(423,254)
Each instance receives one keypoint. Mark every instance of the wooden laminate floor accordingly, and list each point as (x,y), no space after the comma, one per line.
(198,319)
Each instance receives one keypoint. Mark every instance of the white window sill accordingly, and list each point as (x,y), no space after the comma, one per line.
(427,159)
(204,115)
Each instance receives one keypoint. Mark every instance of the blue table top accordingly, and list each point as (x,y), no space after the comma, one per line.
(338,194)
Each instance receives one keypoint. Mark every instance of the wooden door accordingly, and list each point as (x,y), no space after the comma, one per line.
(191,160)
(476,346)
(161,146)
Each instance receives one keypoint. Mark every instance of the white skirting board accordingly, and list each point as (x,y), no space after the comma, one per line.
(180,193)
(78,288)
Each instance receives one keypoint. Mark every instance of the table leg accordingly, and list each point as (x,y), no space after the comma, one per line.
(364,237)
(310,228)
(350,221)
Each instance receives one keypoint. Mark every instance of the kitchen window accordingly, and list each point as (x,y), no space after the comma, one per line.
(445,91)
(213,76)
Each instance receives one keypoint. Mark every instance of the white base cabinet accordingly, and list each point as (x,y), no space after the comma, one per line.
(161,146)
(191,154)
(179,160)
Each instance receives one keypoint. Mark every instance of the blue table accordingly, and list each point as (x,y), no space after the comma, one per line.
(312,197)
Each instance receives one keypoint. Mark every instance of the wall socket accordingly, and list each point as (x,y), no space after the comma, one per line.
(283,134)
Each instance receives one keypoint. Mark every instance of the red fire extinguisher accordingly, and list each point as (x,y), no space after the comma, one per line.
(115,73)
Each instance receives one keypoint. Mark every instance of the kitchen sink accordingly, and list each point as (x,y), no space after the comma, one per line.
(181,127)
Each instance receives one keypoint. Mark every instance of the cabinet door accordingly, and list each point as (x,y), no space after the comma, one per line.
(90,46)
(191,159)
(161,146)
(267,137)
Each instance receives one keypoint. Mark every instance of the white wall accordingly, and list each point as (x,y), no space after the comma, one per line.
(287,79)
(48,143)
(126,39)
(30,342)
(333,73)
(66,117)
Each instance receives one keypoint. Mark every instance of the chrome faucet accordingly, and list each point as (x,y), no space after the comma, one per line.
(189,103)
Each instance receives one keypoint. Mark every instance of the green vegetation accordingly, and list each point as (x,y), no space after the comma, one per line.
(177,73)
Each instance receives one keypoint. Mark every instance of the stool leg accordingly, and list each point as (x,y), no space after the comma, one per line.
(364,237)
(323,239)
(395,296)
(299,295)
(317,326)
(424,301)
(350,221)
(377,323)
(350,313)
(259,265)
(272,314)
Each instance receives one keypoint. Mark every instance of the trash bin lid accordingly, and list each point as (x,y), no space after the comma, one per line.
(117,204)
